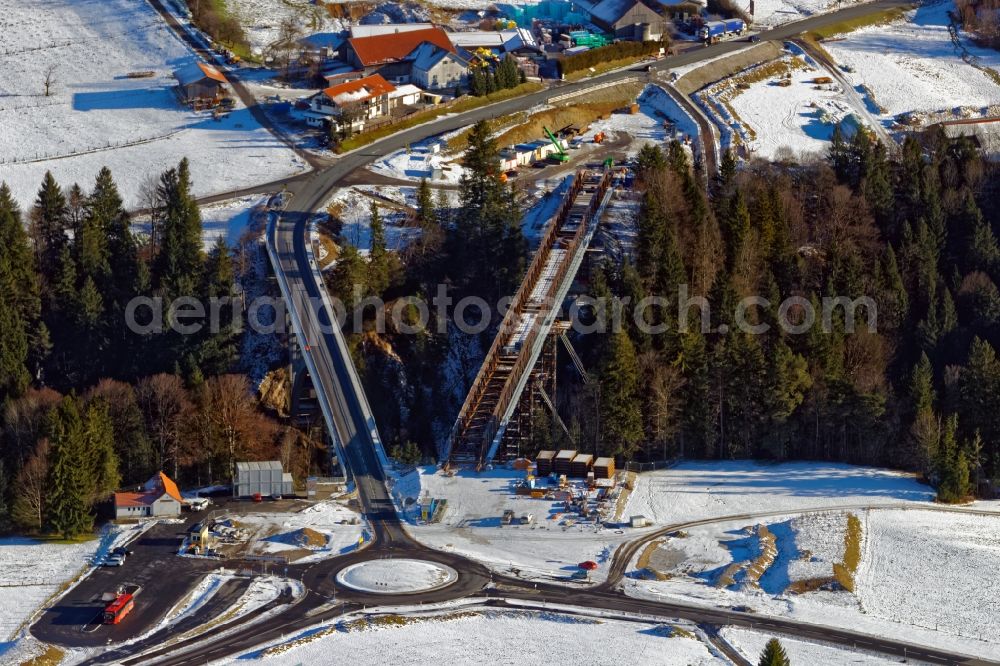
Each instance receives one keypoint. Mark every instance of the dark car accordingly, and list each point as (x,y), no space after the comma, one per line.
(753,39)
(122,551)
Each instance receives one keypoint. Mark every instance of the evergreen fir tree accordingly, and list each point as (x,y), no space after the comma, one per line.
(50,224)
(773,654)
(621,416)
(68,501)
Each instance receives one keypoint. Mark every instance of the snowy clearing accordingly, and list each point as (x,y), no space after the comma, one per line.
(420,161)
(799,117)
(913,65)
(500,638)
(695,490)
(262,19)
(316,532)
(96,116)
(655,108)
(231,219)
(550,548)
(352,207)
(925,575)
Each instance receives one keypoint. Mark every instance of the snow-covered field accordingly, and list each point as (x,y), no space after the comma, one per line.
(695,490)
(549,549)
(933,570)
(96,117)
(498,638)
(32,571)
(278,533)
(262,20)
(912,64)
(751,643)
(771,13)
(799,117)
(925,575)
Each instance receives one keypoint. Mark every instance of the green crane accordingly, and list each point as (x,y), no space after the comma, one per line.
(560,155)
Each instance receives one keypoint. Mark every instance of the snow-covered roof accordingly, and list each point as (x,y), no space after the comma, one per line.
(609,11)
(506,40)
(405,91)
(427,55)
(387,29)
(359,90)
(197,71)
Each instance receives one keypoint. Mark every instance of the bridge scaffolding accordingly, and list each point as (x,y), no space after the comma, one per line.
(497,393)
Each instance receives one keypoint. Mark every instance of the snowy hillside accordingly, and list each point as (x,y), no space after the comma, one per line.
(913,65)
(96,116)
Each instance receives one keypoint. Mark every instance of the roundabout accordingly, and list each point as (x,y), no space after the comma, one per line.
(396,576)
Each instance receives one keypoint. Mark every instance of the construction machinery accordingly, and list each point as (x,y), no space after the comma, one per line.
(560,155)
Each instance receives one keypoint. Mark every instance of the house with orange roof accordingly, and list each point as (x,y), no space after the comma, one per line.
(201,84)
(158,497)
(391,54)
(352,101)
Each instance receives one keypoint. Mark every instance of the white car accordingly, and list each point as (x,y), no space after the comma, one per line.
(114,561)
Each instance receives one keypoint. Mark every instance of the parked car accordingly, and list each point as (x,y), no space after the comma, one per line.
(122,551)
(114,561)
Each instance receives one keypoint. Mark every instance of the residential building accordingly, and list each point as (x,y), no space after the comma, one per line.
(264,478)
(201,84)
(159,497)
(436,68)
(630,19)
(362,99)
(388,54)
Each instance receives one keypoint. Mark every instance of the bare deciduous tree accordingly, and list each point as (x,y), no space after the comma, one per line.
(50,79)
(32,485)
(165,405)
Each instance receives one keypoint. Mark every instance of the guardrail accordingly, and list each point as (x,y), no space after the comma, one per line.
(596,86)
(286,293)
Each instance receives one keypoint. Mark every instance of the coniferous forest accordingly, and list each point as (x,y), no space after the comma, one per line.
(89,405)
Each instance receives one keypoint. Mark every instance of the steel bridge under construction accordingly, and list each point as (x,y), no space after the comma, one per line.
(509,365)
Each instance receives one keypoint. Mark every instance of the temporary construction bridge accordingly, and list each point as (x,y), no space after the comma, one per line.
(510,362)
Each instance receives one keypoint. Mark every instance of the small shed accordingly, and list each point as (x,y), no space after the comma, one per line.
(201,84)
(639,521)
(543,463)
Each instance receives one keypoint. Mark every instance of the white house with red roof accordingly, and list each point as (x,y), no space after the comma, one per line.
(364,99)
(159,497)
